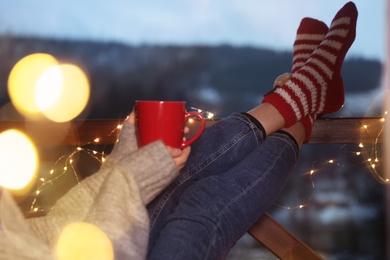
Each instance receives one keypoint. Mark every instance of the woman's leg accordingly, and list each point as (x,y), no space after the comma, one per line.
(216,151)
(216,210)
(220,148)
(191,218)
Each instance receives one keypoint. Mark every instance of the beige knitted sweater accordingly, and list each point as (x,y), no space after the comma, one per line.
(113,199)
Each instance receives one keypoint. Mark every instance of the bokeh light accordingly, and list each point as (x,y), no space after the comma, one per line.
(81,240)
(39,86)
(19,161)
(48,88)
(63,92)
(23,80)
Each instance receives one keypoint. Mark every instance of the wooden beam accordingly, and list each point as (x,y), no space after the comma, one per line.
(279,241)
(75,133)
(347,130)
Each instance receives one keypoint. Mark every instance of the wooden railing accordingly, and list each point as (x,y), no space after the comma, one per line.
(325,131)
(266,230)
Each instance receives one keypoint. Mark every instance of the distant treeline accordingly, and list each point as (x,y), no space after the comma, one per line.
(209,77)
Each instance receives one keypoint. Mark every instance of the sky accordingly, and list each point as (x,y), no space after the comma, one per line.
(258,23)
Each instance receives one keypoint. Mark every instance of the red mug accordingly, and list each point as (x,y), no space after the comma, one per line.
(164,120)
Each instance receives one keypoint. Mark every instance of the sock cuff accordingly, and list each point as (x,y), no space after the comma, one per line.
(285,109)
(308,122)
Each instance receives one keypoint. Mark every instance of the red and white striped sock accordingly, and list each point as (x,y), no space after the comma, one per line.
(317,87)
(308,122)
(310,34)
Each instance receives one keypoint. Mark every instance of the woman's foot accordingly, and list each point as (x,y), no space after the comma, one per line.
(310,34)
(317,87)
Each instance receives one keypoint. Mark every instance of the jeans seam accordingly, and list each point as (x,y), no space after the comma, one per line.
(253,126)
(287,145)
(260,137)
(196,170)
(289,142)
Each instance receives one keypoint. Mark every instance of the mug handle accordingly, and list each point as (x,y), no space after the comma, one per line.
(184,144)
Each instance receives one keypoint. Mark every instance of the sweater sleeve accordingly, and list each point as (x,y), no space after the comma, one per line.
(153,169)
(126,142)
(113,198)
(152,165)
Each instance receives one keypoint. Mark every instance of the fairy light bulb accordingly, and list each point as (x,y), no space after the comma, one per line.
(210,115)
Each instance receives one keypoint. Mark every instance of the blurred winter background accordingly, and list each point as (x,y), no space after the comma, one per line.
(220,56)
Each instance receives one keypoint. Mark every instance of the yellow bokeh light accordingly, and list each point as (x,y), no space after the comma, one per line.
(70,95)
(49,87)
(38,85)
(80,240)
(19,161)
(23,80)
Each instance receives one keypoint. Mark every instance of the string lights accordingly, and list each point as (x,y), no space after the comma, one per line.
(58,170)
(205,114)
(62,167)
(371,159)
(372,155)
(315,169)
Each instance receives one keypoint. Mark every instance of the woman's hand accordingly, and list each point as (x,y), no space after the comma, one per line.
(179,156)
(131,118)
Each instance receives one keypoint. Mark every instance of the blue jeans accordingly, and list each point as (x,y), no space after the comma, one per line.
(231,178)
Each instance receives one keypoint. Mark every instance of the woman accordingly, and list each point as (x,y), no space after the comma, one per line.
(227,179)
(240,164)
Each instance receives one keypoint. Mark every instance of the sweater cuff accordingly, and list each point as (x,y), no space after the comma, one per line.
(152,168)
